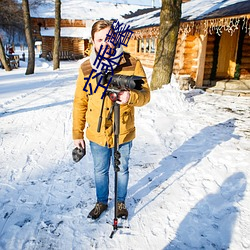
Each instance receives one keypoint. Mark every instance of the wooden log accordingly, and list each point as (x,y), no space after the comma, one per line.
(245,60)
(209,59)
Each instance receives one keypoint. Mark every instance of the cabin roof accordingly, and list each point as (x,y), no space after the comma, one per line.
(193,10)
(79,32)
(85,10)
(208,9)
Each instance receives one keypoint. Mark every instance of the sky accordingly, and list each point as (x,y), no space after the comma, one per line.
(189,169)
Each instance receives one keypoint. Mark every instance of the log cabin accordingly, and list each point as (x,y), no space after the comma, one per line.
(74,37)
(77,19)
(213,41)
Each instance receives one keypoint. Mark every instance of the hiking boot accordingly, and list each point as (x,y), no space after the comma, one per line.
(122,211)
(97,210)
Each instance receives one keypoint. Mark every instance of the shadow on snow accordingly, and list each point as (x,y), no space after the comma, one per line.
(210,223)
(190,153)
(23,110)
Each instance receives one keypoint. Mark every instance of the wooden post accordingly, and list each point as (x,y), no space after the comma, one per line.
(201,60)
(144,45)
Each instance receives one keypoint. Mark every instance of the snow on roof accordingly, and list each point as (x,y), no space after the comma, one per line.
(85,10)
(197,9)
(79,32)
(145,20)
(138,2)
(193,10)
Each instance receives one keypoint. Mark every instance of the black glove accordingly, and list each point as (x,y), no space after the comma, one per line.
(78,153)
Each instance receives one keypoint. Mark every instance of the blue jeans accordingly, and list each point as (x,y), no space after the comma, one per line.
(102,158)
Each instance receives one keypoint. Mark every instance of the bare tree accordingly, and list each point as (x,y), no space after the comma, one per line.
(168,34)
(3,57)
(11,24)
(56,59)
(36,3)
(28,33)
(11,16)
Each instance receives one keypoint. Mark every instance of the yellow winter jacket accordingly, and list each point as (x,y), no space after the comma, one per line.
(86,107)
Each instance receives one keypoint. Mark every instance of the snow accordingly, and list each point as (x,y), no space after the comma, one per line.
(92,10)
(151,3)
(81,32)
(197,9)
(86,10)
(192,10)
(189,169)
(148,19)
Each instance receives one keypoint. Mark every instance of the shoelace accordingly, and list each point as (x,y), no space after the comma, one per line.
(97,209)
(121,206)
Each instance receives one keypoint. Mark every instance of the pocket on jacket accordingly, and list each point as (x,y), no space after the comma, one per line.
(127,120)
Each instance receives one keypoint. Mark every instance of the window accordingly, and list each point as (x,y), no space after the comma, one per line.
(152,45)
(146,45)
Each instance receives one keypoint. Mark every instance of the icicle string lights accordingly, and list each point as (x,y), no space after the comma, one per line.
(146,32)
(206,26)
(246,25)
(218,25)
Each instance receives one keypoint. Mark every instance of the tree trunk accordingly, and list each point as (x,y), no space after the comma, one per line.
(3,57)
(56,59)
(168,34)
(29,38)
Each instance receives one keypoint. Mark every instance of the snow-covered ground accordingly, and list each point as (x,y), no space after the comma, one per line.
(189,169)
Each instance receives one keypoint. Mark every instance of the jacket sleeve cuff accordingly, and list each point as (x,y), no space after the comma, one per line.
(139,97)
(77,135)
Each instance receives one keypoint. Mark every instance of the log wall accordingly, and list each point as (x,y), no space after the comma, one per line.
(186,51)
(73,45)
(136,49)
(245,60)
(179,59)
(50,22)
(187,55)
(209,57)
